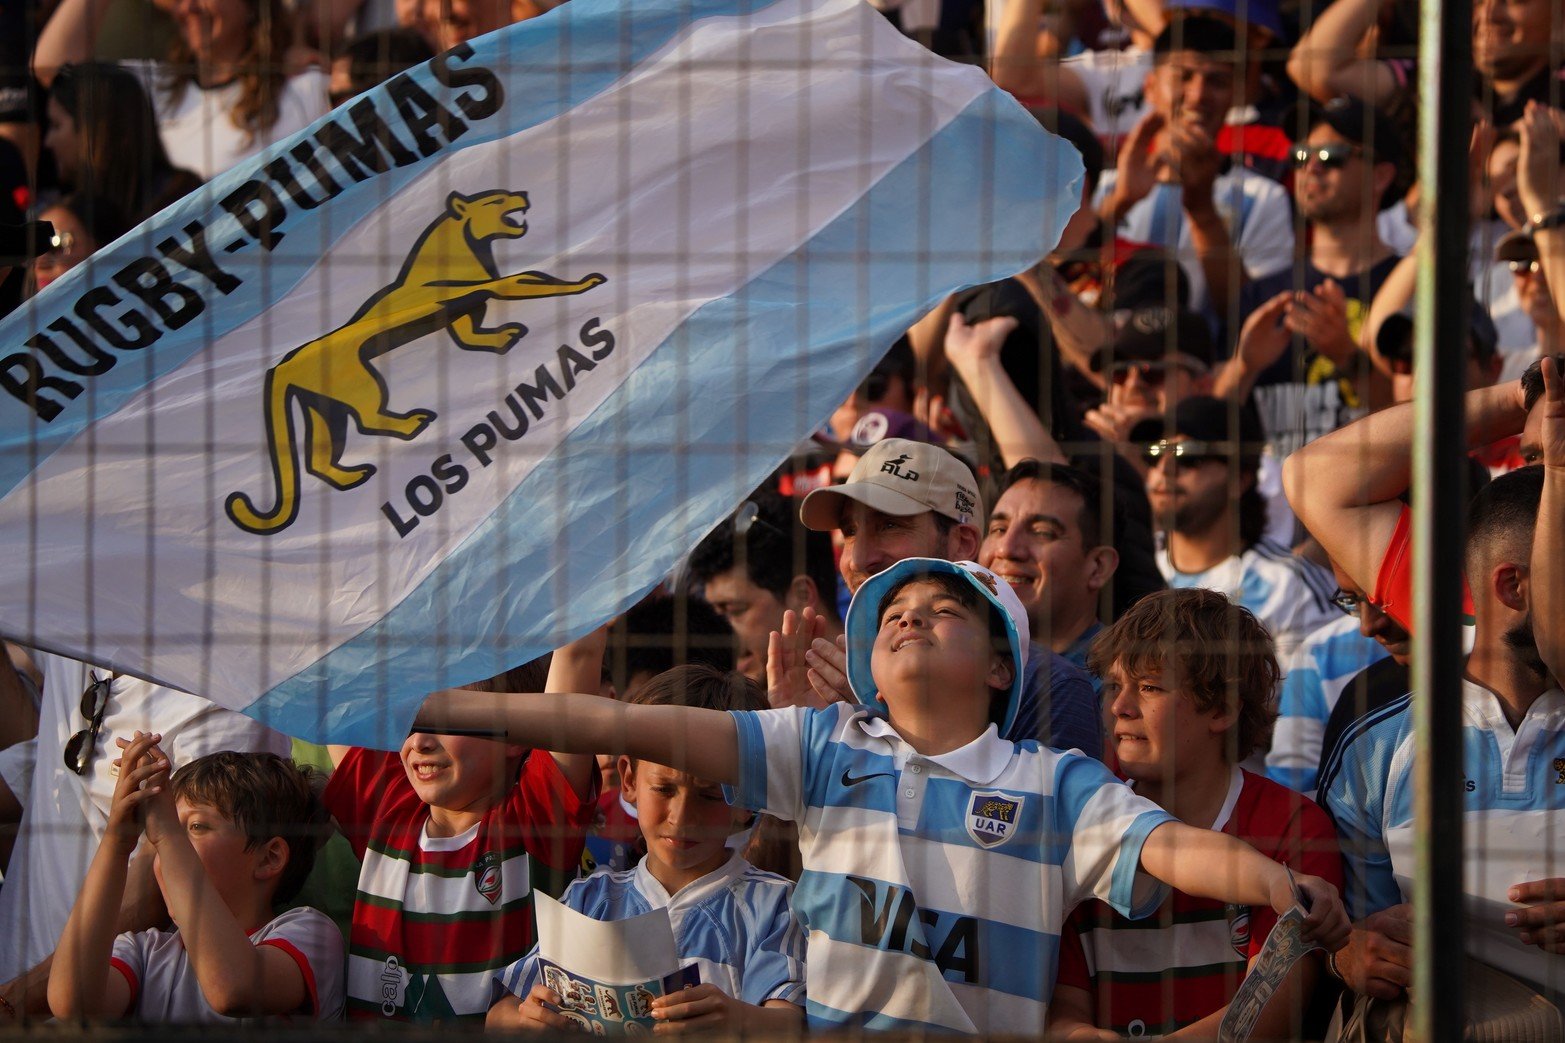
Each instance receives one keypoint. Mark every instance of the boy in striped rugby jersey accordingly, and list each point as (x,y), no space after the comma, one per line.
(729,918)
(939,859)
(454,832)
(1189,678)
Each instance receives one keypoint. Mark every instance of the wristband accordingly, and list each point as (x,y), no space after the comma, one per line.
(1331,965)
(1546,220)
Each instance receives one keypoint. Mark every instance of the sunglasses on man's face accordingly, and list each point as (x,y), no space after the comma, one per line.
(1153,374)
(1331,157)
(1348,601)
(1523,267)
(1187,453)
(94,703)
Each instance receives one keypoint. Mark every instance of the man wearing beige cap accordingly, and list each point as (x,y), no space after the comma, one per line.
(910,499)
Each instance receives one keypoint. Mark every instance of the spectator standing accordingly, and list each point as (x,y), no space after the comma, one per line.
(1202,482)
(104,138)
(1170,187)
(1322,378)
(223,94)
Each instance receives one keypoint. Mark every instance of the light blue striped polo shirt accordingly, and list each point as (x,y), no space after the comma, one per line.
(934,888)
(1322,667)
(1514,823)
(735,923)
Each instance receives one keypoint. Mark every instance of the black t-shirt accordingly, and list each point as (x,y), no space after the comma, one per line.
(1304,395)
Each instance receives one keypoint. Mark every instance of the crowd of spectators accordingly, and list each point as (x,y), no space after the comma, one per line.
(1005,700)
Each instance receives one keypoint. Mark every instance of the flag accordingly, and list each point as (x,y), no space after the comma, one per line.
(460,371)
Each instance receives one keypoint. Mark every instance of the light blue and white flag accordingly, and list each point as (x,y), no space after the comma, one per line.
(460,371)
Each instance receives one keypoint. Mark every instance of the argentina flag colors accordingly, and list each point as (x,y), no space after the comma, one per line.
(460,371)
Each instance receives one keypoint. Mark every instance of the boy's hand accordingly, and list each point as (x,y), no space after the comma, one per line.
(828,662)
(697,1009)
(787,676)
(158,817)
(1326,921)
(1378,959)
(533,1015)
(142,776)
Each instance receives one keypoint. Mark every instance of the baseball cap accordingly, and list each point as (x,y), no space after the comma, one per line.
(1365,126)
(1154,334)
(901,477)
(1394,339)
(1212,421)
(1260,13)
(863,623)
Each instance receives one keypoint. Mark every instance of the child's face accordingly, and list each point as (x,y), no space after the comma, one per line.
(1158,732)
(684,820)
(456,772)
(220,845)
(931,645)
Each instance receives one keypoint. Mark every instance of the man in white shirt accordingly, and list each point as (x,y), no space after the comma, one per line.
(1170,186)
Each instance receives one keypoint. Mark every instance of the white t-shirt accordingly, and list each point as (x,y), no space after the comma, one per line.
(1255,209)
(198,132)
(163,983)
(1115,85)
(65,814)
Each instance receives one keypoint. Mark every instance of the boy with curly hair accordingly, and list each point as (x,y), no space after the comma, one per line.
(1190,679)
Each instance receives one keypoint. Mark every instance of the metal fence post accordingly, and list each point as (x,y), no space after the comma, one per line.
(1445,59)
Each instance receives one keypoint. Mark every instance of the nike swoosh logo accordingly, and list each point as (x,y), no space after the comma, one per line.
(848,780)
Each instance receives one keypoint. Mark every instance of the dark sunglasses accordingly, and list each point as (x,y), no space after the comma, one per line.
(1187,452)
(1153,374)
(1348,601)
(95,701)
(1330,156)
(1523,267)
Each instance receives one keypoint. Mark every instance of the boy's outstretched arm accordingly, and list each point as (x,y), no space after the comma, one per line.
(578,667)
(82,984)
(237,978)
(1206,864)
(702,742)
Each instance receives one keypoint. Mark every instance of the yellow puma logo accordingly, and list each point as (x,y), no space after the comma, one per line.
(445,284)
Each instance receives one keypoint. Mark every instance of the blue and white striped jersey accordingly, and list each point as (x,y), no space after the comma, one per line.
(735,923)
(1514,823)
(934,888)
(1320,670)
(1290,596)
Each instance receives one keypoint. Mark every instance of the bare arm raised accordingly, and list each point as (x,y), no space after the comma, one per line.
(1345,485)
(702,742)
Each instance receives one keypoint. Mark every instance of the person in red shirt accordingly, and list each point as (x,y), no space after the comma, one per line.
(455,833)
(1190,679)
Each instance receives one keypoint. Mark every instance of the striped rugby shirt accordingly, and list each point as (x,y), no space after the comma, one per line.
(1514,829)
(1316,677)
(1152,976)
(934,888)
(1290,596)
(735,923)
(436,917)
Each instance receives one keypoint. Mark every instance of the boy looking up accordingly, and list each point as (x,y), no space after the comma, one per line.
(454,833)
(232,836)
(939,859)
(731,919)
(1189,680)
